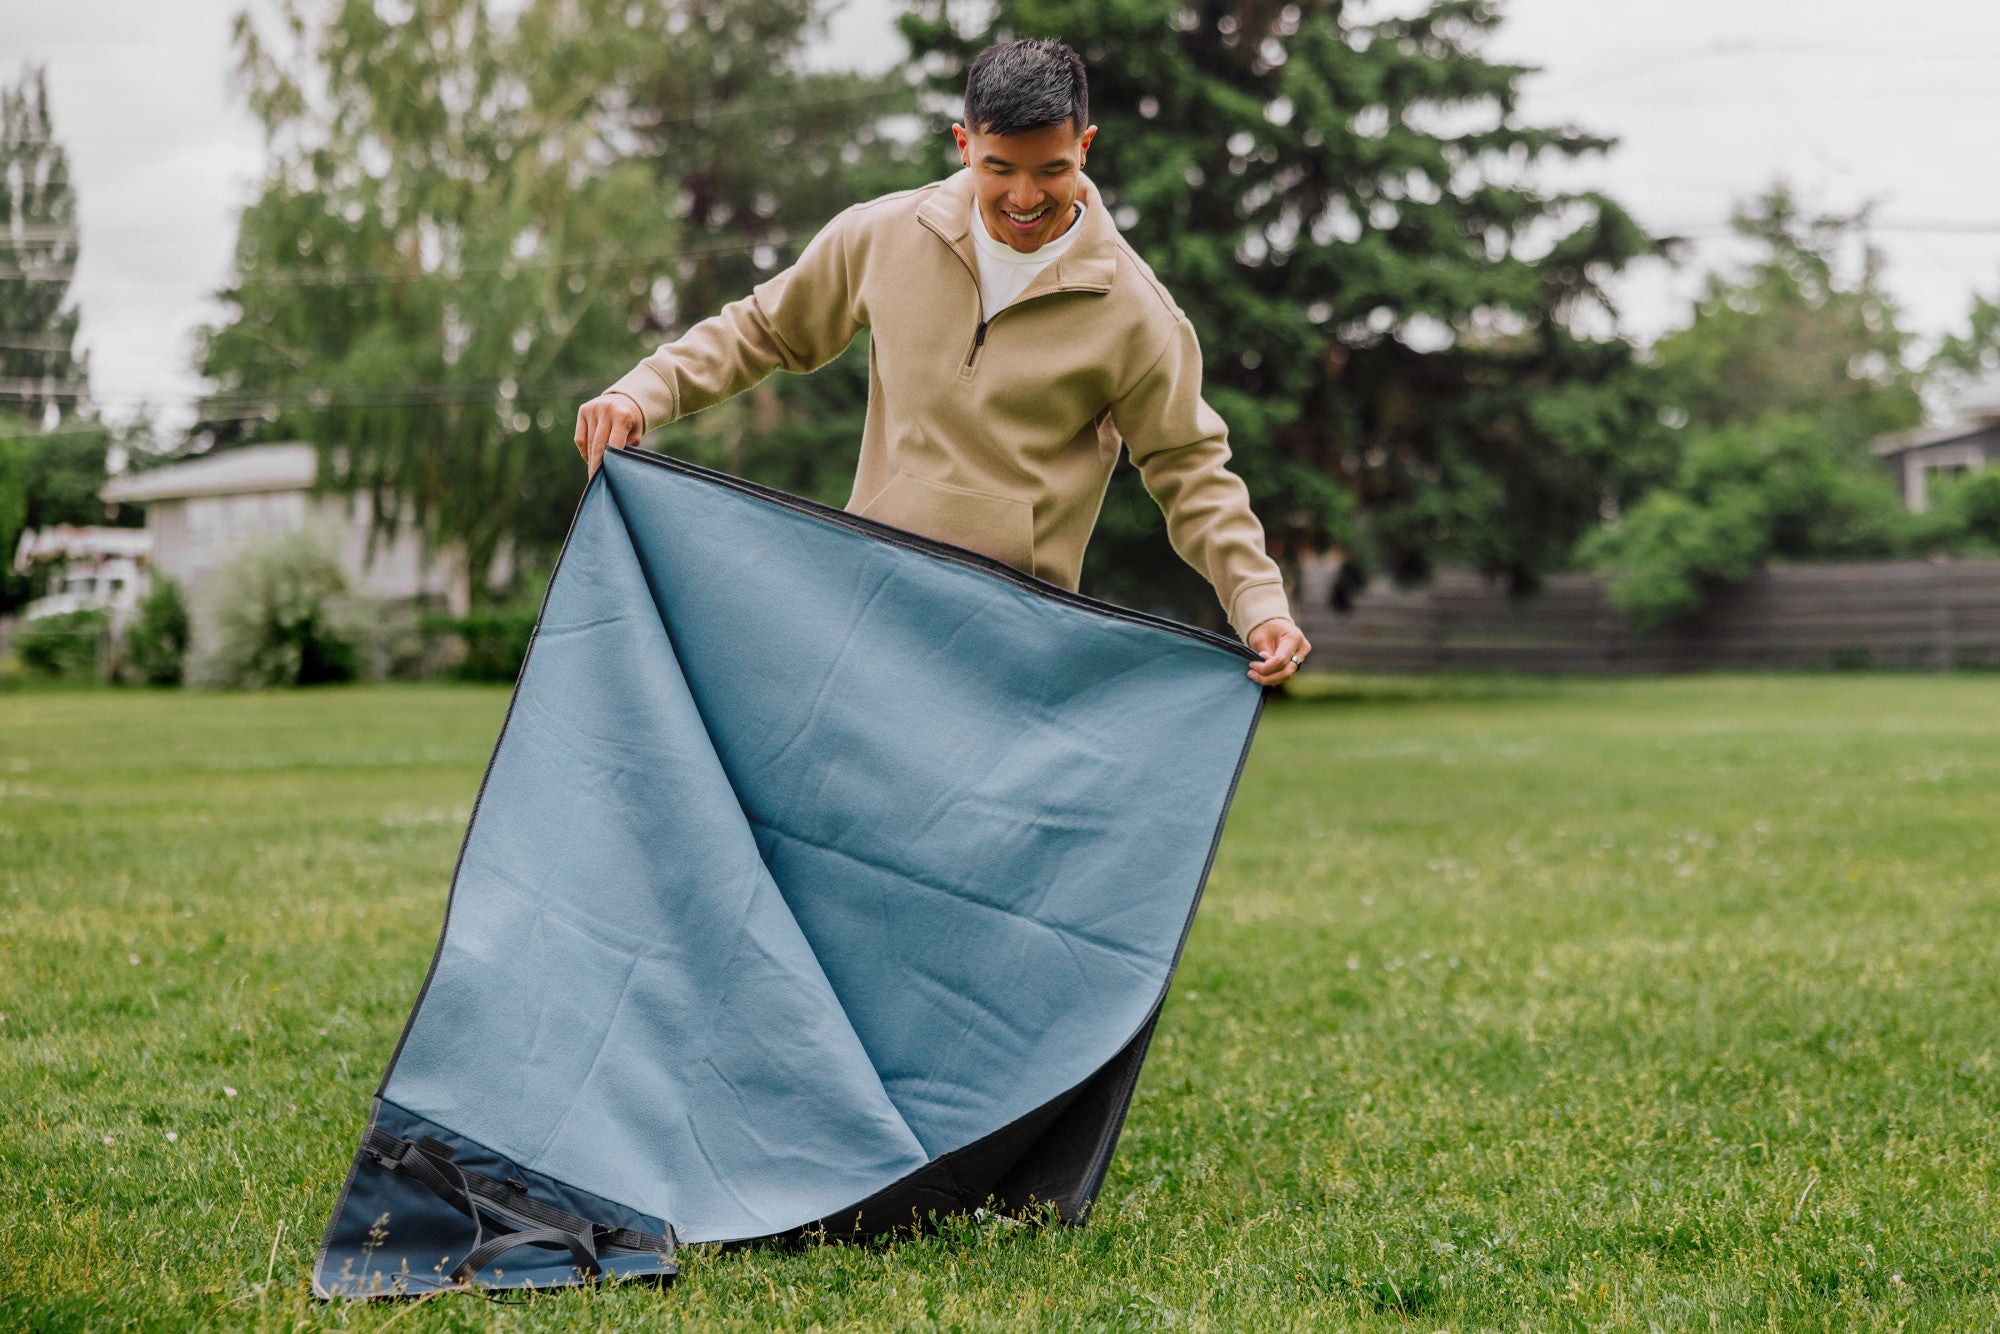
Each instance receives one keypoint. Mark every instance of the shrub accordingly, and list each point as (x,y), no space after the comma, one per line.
(390,641)
(64,645)
(1775,489)
(156,641)
(495,642)
(278,614)
(1968,508)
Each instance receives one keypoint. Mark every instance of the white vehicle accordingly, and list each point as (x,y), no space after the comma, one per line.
(102,569)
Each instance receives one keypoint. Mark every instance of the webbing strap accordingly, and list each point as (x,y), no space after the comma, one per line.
(483,1255)
(430,1162)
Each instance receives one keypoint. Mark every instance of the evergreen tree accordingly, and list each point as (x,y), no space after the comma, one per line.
(41,377)
(52,449)
(1392,316)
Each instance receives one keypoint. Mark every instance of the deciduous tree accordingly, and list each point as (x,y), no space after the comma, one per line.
(470,223)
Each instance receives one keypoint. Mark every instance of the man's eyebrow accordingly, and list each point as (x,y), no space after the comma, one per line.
(995,160)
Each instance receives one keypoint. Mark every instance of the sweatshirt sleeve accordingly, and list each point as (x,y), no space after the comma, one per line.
(1180,446)
(796,320)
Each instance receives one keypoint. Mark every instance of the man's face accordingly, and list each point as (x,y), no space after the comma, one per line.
(1025,183)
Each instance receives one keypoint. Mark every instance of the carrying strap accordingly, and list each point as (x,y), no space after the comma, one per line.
(483,1255)
(479,1197)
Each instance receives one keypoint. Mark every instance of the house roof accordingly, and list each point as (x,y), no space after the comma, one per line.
(288,467)
(1900,442)
(1976,409)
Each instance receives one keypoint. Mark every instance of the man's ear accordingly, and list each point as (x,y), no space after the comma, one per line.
(1083,145)
(964,142)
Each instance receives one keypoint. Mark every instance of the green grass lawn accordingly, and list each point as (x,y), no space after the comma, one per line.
(1518,1006)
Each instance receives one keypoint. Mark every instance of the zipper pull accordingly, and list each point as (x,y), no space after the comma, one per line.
(979,336)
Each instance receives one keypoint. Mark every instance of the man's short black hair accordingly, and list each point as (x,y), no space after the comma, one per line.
(1030,84)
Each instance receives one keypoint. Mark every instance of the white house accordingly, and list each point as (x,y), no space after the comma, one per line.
(202,511)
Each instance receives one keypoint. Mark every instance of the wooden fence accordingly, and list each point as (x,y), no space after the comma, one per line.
(1922,615)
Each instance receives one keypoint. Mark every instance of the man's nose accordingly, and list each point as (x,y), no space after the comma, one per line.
(1024,197)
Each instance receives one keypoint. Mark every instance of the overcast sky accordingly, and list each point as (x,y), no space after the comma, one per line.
(1850,100)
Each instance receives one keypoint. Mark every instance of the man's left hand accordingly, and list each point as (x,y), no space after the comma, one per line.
(1280,643)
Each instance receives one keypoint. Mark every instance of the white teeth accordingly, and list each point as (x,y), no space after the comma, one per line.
(1025,217)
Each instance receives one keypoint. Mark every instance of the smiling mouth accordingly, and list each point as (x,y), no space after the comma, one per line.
(1026,219)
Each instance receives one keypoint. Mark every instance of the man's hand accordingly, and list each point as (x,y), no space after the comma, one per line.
(609,420)
(1278,641)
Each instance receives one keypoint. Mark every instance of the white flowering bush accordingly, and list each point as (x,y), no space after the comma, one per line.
(280,613)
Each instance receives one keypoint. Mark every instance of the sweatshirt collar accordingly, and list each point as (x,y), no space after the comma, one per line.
(1087,266)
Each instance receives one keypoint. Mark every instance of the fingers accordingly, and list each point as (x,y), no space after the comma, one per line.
(1277,665)
(605,422)
(587,430)
(600,434)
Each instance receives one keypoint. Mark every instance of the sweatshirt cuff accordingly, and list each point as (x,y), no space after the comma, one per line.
(655,397)
(1256,604)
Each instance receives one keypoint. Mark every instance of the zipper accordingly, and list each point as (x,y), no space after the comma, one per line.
(979,334)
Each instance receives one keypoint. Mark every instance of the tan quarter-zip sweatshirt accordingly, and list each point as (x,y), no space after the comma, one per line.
(998,435)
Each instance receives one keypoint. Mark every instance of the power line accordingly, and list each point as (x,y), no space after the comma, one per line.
(1595,75)
(44,343)
(1763,96)
(1957,227)
(699,116)
(57,434)
(642,259)
(297,276)
(719,110)
(636,259)
(320,399)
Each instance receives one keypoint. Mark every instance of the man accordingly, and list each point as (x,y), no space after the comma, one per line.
(1016,340)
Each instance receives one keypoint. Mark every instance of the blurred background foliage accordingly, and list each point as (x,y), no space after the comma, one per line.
(473,219)
(1786,372)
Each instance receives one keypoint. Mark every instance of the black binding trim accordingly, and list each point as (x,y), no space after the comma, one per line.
(902,537)
(486,776)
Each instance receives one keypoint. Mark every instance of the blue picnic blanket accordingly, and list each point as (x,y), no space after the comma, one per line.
(823,874)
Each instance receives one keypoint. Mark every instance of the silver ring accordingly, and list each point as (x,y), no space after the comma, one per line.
(1297,661)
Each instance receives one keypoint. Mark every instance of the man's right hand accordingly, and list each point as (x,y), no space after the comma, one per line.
(610,420)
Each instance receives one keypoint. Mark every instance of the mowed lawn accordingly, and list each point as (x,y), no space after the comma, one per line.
(1517,1006)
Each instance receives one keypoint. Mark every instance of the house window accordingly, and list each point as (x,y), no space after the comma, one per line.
(246,516)
(1922,469)
(206,531)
